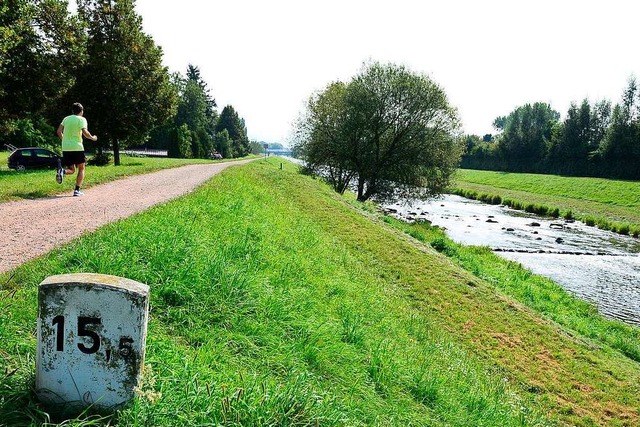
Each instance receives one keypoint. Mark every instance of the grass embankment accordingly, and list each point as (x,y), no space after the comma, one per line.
(41,183)
(276,302)
(608,204)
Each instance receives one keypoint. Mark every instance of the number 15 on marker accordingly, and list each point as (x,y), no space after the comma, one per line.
(86,328)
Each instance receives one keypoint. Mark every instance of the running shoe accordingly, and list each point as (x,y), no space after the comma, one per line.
(77,193)
(59,175)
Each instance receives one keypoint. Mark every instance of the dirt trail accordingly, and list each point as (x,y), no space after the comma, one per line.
(30,228)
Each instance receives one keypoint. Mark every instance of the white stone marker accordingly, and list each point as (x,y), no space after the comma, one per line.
(92,330)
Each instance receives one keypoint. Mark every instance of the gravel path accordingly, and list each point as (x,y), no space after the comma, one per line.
(30,228)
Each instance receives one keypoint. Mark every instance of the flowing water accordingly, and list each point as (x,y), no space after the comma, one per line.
(596,265)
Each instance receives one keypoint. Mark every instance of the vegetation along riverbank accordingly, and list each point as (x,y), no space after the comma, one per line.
(276,301)
(608,204)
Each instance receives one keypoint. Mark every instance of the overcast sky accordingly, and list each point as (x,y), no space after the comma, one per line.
(267,57)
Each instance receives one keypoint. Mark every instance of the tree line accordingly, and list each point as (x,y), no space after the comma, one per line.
(100,56)
(595,139)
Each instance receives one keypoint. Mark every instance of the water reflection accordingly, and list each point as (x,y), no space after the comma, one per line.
(599,266)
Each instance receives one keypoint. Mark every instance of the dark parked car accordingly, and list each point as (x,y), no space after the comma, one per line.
(32,158)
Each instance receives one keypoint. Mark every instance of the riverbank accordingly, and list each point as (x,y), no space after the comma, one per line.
(598,266)
(276,301)
(604,203)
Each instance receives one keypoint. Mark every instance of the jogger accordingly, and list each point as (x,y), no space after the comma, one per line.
(70,132)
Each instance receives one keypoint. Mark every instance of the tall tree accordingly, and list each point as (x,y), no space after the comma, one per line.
(526,135)
(329,139)
(180,142)
(570,145)
(211,114)
(124,85)
(192,113)
(196,109)
(399,135)
(237,130)
(620,149)
(600,121)
(499,123)
(193,74)
(41,47)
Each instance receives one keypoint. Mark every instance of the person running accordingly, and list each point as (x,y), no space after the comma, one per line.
(70,132)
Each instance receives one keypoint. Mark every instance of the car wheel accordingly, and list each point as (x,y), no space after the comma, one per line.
(21,168)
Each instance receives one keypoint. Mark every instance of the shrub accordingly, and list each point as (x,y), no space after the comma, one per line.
(439,244)
(442,245)
(100,159)
(542,210)
(624,228)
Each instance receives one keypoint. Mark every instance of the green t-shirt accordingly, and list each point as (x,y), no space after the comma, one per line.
(72,133)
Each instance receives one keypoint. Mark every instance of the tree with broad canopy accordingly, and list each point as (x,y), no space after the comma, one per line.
(389,131)
(126,87)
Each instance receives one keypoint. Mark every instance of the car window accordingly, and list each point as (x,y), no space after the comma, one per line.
(26,153)
(43,153)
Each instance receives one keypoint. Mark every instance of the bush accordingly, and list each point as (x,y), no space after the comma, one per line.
(624,229)
(100,159)
(442,245)
(439,244)
(542,210)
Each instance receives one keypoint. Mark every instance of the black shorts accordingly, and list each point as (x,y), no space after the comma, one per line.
(73,158)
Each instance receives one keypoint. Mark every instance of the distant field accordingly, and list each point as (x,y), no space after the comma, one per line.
(616,201)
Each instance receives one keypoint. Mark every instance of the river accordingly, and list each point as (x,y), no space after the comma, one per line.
(596,265)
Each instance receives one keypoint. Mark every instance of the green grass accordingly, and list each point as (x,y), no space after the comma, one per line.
(536,292)
(41,183)
(609,204)
(277,302)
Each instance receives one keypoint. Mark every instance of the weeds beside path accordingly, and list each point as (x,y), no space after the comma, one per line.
(30,228)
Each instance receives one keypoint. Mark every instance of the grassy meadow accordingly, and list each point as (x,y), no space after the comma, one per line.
(609,204)
(275,301)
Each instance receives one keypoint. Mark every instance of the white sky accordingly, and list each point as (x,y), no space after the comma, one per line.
(267,57)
